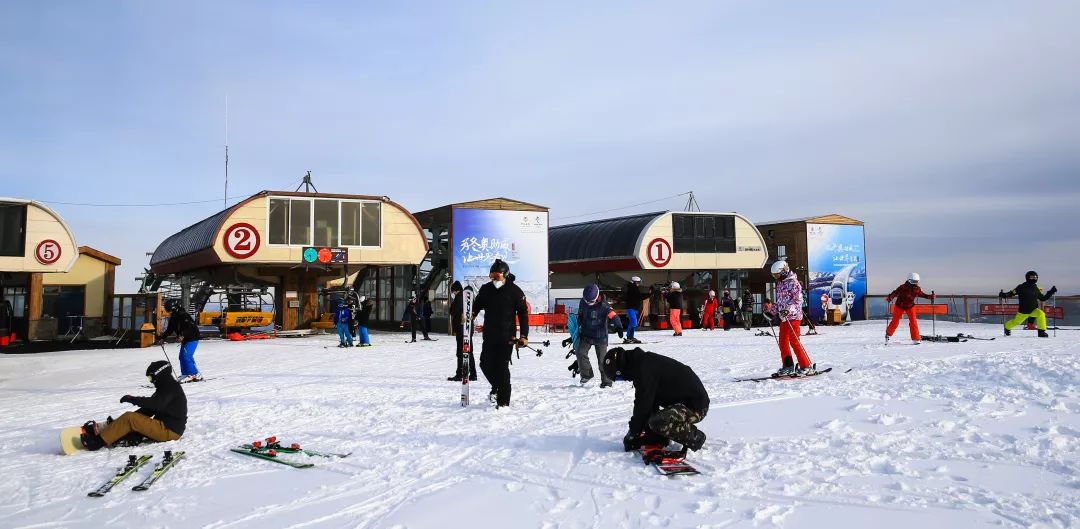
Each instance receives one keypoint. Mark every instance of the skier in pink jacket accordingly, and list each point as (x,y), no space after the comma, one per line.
(789,308)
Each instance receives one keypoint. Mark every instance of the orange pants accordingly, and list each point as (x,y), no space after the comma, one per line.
(789,340)
(675,319)
(913,323)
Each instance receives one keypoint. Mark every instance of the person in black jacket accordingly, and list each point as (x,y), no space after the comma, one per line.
(183,326)
(1030,295)
(747,309)
(501,303)
(675,307)
(634,297)
(669,398)
(160,417)
(363,316)
(457,322)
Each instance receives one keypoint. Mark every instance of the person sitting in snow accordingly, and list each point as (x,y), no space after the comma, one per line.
(160,417)
(1030,296)
(905,295)
(669,399)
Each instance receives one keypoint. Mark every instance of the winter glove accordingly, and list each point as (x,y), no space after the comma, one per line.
(631,442)
(523,341)
(127,399)
(620,334)
(1052,291)
(932,297)
(783,313)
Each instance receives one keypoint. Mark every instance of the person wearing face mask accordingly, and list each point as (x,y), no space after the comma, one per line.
(592,317)
(1030,295)
(501,303)
(160,417)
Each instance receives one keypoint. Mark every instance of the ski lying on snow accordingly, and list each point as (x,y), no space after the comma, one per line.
(133,464)
(786,377)
(970,337)
(269,455)
(167,462)
(272,443)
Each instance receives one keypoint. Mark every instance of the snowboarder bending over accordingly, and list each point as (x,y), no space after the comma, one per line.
(669,398)
(160,417)
(1030,295)
(634,297)
(593,316)
(457,308)
(789,309)
(905,295)
(182,325)
(501,303)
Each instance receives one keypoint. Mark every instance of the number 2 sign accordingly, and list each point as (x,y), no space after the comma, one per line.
(47,252)
(241,240)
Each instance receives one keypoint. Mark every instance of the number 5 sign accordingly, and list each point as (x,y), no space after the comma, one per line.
(241,240)
(47,252)
(659,252)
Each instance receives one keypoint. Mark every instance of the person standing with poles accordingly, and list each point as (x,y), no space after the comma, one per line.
(789,308)
(1029,295)
(183,326)
(501,303)
(905,296)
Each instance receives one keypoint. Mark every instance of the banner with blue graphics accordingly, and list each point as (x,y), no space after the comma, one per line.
(837,268)
(518,237)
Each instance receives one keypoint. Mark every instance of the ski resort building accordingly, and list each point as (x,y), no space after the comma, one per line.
(466,237)
(49,286)
(701,251)
(828,253)
(294,243)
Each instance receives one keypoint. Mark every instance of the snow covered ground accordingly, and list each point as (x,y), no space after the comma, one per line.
(975,434)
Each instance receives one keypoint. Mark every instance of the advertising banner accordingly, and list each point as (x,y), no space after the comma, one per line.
(837,269)
(518,237)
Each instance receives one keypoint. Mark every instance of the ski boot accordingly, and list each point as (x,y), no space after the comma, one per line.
(90,437)
(788,369)
(455,378)
(1042,334)
(806,371)
(1008,332)
(696,440)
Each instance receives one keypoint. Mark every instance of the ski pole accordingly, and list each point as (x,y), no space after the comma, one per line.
(933,311)
(1055,314)
(167,357)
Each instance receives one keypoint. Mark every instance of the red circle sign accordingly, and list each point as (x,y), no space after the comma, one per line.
(659,252)
(241,240)
(325,255)
(47,251)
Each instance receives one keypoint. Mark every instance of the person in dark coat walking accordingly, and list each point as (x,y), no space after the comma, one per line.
(501,303)
(457,323)
(160,417)
(1030,295)
(669,398)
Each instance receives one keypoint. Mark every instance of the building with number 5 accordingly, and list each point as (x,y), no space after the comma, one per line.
(699,250)
(49,286)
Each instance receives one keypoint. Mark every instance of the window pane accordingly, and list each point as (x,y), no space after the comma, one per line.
(300,222)
(326,225)
(12,229)
(350,223)
(372,224)
(279,221)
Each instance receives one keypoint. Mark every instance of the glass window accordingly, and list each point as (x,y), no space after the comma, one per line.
(781,252)
(350,223)
(300,222)
(326,223)
(12,230)
(17,297)
(703,233)
(279,221)
(372,224)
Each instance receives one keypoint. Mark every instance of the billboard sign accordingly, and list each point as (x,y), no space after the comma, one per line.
(837,269)
(518,237)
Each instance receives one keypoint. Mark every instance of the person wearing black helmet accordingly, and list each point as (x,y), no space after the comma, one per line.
(501,303)
(1030,295)
(183,326)
(593,316)
(160,417)
(669,398)
(457,322)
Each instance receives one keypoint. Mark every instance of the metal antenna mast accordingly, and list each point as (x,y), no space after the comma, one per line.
(226,150)
(691,203)
(306,184)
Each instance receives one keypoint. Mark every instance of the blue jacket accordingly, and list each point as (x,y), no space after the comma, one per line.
(343,315)
(593,321)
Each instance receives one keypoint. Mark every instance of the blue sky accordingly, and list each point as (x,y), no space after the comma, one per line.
(949,128)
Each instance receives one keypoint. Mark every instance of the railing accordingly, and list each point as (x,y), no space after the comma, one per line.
(968,308)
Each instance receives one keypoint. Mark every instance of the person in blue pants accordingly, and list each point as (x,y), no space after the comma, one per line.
(633,296)
(362,319)
(342,318)
(182,325)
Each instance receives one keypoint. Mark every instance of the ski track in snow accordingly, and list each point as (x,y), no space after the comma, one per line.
(974,434)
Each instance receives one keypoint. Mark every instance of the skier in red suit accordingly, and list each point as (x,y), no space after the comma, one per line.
(905,295)
(709,320)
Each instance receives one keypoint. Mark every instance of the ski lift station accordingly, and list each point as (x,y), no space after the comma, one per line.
(49,286)
(293,242)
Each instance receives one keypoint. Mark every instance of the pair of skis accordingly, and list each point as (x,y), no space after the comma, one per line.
(134,463)
(786,377)
(270,448)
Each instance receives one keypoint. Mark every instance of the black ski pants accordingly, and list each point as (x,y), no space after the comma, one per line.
(495,363)
(460,336)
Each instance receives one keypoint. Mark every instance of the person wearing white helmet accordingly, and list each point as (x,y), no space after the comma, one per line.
(789,308)
(708,320)
(675,307)
(363,316)
(905,295)
(634,298)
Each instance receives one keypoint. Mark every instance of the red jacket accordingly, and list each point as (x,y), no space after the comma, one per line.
(905,295)
(710,306)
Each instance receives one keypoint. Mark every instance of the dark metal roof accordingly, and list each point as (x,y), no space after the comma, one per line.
(198,236)
(598,239)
